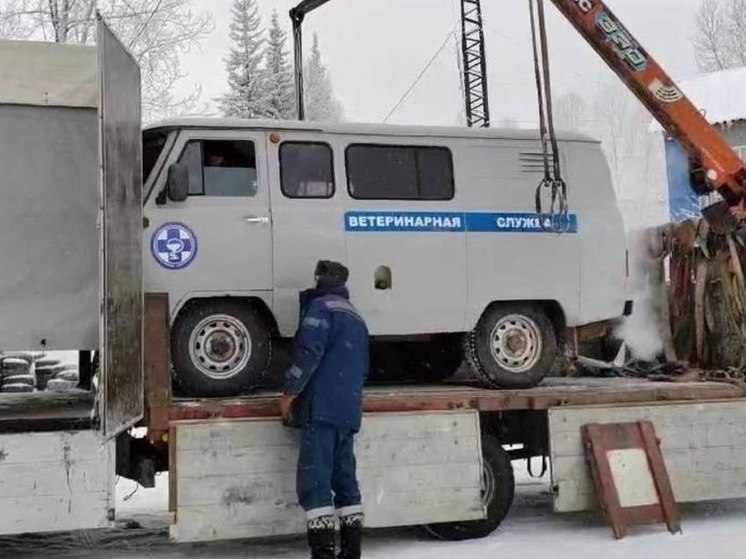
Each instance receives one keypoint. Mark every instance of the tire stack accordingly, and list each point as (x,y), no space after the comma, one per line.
(17,373)
(64,380)
(55,376)
(46,369)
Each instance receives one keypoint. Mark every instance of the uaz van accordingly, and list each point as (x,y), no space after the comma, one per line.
(435,224)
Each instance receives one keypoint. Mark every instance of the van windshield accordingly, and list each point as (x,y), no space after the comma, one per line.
(153,142)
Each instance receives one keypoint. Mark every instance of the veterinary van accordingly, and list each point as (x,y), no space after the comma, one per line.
(447,256)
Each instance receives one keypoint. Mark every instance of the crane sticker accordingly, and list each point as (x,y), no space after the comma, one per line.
(174,246)
(624,45)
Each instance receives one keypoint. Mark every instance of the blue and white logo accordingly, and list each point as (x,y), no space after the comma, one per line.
(174,246)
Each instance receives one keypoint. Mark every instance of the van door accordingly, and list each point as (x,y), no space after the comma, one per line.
(307,216)
(218,241)
(406,235)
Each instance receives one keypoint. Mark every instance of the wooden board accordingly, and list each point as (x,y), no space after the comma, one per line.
(703,445)
(56,481)
(236,479)
(553,392)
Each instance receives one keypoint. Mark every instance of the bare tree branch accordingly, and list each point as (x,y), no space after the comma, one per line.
(720,40)
(158,32)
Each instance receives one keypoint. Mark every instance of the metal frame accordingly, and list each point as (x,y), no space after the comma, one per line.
(475,64)
(297,15)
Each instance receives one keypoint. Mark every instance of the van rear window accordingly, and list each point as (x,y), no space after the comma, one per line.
(384,172)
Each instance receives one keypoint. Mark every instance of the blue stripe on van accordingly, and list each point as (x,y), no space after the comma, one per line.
(452,222)
(478,222)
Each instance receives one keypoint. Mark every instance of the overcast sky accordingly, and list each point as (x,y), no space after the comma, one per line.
(376,48)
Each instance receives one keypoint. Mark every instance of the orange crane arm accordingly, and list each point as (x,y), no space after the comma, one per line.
(706,147)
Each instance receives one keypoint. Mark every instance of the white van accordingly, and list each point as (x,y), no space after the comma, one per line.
(435,224)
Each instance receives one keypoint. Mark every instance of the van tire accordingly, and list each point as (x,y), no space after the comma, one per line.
(220,347)
(534,351)
(498,497)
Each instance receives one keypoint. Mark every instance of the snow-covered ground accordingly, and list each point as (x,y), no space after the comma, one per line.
(716,531)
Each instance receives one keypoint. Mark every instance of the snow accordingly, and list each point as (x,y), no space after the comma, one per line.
(719,94)
(709,530)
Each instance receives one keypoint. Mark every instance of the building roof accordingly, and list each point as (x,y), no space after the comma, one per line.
(361,129)
(720,95)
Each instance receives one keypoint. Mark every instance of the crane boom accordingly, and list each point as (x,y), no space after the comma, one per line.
(678,116)
(708,150)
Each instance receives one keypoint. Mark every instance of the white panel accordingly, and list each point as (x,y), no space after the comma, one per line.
(632,477)
(48,74)
(703,445)
(236,479)
(53,482)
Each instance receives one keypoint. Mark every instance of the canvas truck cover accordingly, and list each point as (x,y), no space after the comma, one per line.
(49,196)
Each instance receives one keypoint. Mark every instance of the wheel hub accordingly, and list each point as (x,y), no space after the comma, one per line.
(220,346)
(516,343)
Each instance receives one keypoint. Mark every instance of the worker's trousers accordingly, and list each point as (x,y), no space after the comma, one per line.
(327,477)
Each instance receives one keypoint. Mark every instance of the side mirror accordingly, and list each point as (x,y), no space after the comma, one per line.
(178,183)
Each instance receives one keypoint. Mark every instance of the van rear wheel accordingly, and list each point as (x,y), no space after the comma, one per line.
(220,347)
(513,346)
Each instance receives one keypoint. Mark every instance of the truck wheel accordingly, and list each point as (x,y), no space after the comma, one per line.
(497,495)
(513,346)
(220,348)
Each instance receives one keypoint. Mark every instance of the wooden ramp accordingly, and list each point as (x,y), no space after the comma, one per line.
(629,475)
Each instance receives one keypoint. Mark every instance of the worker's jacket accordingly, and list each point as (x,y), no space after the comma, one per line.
(330,360)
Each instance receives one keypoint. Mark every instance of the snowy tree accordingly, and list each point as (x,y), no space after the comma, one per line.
(620,121)
(246,96)
(157,32)
(720,41)
(321,103)
(280,84)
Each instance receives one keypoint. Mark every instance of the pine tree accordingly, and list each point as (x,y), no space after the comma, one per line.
(279,86)
(246,97)
(321,103)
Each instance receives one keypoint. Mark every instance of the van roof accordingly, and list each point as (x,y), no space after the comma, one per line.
(360,129)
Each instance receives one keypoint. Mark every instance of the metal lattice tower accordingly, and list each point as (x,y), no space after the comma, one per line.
(475,64)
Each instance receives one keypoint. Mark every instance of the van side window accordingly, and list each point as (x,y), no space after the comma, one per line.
(220,167)
(306,170)
(378,172)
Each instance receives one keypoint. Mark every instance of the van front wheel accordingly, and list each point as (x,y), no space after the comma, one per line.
(513,346)
(220,348)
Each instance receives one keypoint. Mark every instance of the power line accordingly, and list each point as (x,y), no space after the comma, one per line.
(419,77)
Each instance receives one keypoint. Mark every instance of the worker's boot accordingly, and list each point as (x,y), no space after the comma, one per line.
(351,533)
(321,537)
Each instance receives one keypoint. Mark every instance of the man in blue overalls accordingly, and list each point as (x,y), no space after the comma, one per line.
(323,396)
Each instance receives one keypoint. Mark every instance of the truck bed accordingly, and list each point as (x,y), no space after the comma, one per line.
(46,411)
(554,392)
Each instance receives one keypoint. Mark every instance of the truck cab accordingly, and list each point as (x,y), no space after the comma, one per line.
(447,259)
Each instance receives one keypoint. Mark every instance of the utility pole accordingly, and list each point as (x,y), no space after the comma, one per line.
(475,64)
